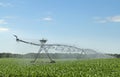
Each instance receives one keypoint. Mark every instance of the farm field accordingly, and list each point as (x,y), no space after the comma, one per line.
(10,67)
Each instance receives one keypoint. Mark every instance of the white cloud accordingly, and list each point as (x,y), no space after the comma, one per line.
(3,29)
(2,21)
(9,17)
(47,18)
(114,19)
(102,21)
(107,19)
(5,4)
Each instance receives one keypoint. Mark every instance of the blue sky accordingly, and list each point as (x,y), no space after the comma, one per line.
(87,23)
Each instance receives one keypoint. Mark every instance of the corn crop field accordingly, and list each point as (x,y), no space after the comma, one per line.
(74,68)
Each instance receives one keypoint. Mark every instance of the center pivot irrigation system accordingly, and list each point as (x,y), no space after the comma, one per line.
(56,47)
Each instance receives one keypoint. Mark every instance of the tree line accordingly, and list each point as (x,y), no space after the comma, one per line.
(53,55)
(41,55)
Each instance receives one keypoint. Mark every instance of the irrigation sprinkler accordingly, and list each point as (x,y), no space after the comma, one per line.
(56,47)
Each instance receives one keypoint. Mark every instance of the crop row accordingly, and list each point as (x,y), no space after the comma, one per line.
(74,68)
